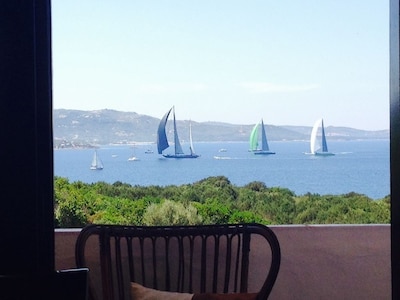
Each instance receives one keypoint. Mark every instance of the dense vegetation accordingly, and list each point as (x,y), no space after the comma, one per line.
(211,200)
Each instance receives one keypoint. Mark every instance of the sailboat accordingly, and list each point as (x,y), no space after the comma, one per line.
(254,136)
(318,145)
(133,157)
(97,164)
(162,140)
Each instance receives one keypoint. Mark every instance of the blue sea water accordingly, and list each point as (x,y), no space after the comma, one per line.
(358,166)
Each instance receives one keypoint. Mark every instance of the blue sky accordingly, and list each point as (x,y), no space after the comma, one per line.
(289,62)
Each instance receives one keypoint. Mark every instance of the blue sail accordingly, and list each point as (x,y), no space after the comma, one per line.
(324,144)
(264,142)
(162,141)
(178,147)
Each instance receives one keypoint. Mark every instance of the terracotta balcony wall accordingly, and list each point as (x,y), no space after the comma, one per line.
(318,261)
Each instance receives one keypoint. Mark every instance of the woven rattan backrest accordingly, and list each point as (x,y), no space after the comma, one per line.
(207,258)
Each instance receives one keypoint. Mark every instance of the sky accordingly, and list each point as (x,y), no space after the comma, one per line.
(289,62)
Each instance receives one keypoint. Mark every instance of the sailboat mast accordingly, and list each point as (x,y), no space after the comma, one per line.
(190,138)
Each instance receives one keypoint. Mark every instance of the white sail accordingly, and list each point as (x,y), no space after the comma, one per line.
(97,164)
(314,143)
(318,145)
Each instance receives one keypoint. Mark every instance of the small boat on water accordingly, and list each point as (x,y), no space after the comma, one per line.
(149,151)
(97,164)
(162,140)
(254,138)
(133,157)
(318,144)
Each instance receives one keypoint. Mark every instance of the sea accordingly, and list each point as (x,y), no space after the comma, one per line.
(361,166)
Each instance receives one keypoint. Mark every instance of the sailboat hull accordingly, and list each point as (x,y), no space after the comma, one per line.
(181,155)
(324,153)
(262,152)
(96,168)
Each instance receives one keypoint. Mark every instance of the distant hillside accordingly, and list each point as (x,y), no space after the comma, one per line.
(101,127)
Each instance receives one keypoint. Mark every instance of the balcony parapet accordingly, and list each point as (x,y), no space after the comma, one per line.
(318,261)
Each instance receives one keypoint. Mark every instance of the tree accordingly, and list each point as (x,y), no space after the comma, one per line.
(171,213)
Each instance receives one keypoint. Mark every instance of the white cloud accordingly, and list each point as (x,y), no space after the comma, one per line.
(267,87)
(154,88)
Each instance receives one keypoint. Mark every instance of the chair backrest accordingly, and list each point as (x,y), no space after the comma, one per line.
(193,259)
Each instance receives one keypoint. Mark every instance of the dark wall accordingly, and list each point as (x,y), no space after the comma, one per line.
(395,144)
(26,209)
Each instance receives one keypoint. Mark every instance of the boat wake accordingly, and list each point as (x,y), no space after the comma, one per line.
(232,158)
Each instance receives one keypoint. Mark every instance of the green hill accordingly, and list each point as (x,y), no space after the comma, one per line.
(101,127)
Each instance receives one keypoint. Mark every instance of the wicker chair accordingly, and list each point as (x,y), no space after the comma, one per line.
(190,259)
